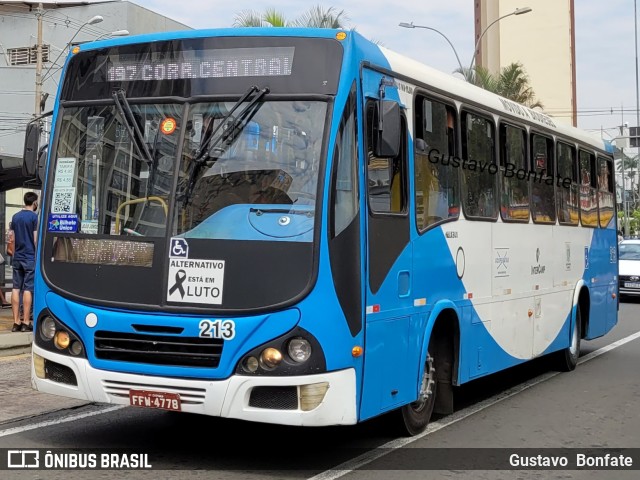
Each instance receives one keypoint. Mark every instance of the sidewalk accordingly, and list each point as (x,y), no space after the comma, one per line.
(12,343)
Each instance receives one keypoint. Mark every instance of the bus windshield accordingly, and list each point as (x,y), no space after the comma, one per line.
(207,149)
(271,158)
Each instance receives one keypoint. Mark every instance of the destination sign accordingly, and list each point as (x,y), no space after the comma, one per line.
(197,64)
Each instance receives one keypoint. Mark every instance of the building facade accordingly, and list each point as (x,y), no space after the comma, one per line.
(529,39)
(62,23)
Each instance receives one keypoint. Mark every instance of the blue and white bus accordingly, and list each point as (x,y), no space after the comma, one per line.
(301,227)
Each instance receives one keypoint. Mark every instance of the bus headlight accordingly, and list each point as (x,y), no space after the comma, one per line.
(47,328)
(61,339)
(56,337)
(75,348)
(270,358)
(250,364)
(299,350)
(295,353)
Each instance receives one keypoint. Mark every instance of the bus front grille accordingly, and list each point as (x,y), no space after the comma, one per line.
(158,349)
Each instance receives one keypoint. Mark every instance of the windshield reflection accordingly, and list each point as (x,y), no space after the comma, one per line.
(266,165)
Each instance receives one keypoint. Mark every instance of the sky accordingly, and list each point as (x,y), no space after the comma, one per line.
(605,35)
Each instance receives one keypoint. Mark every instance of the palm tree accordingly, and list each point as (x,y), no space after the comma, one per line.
(269,18)
(317,16)
(322,18)
(512,82)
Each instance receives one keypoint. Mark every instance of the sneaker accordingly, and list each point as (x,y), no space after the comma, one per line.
(27,327)
(16,327)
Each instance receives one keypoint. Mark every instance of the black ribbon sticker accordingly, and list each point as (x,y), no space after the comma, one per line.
(181,276)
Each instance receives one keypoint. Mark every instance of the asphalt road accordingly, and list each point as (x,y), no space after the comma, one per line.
(528,407)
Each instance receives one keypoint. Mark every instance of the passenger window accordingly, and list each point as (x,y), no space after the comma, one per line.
(436,181)
(514,205)
(567,192)
(605,190)
(588,191)
(479,167)
(543,207)
(345,197)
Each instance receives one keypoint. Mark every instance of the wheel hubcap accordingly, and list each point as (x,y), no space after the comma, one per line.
(426,389)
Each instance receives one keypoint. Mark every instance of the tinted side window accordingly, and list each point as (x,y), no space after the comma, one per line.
(479,167)
(567,193)
(514,204)
(588,191)
(345,195)
(436,181)
(543,207)
(605,190)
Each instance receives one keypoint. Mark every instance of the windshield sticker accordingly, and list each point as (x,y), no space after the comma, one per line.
(179,248)
(63,200)
(195,281)
(65,172)
(62,222)
(89,226)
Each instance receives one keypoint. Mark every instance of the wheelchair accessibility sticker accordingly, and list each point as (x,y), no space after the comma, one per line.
(179,248)
(195,281)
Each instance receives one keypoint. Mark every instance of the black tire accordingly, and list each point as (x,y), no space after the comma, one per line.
(567,359)
(413,418)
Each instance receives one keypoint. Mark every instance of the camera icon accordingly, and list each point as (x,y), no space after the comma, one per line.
(23,459)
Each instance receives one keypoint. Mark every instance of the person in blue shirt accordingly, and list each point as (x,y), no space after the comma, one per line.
(24,226)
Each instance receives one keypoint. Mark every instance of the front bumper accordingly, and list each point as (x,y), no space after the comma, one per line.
(229,398)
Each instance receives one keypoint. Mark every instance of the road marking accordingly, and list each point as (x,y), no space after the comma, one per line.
(382,450)
(57,421)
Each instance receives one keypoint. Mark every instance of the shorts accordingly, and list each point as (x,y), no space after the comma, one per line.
(23,273)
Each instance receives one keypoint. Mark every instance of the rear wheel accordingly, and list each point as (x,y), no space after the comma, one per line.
(413,418)
(567,359)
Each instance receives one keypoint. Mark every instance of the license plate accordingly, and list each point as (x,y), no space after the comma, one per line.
(632,285)
(161,400)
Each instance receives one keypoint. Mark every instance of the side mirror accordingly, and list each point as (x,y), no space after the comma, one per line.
(31,149)
(387,135)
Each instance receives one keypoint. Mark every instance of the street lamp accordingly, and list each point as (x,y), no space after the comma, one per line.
(91,21)
(517,11)
(411,25)
(117,33)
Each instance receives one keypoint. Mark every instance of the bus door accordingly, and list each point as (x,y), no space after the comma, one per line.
(389,372)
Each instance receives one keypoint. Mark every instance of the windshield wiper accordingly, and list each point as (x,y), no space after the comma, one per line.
(129,120)
(231,127)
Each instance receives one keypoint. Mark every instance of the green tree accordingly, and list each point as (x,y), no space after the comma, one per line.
(269,18)
(322,18)
(511,82)
(317,16)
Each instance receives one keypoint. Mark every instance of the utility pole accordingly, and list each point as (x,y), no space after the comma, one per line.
(39,62)
(624,190)
(635,23)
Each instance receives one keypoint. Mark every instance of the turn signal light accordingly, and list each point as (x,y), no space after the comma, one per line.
(270,357)
(61,340)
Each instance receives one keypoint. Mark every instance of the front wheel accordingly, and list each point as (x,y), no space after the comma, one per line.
(567,359)
(412,419)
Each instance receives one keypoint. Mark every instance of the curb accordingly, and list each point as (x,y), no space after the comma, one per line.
(15,343)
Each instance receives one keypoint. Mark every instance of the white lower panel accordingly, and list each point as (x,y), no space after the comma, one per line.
(222,398)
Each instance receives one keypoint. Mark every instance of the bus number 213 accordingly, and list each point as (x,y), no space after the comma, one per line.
(224,329)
